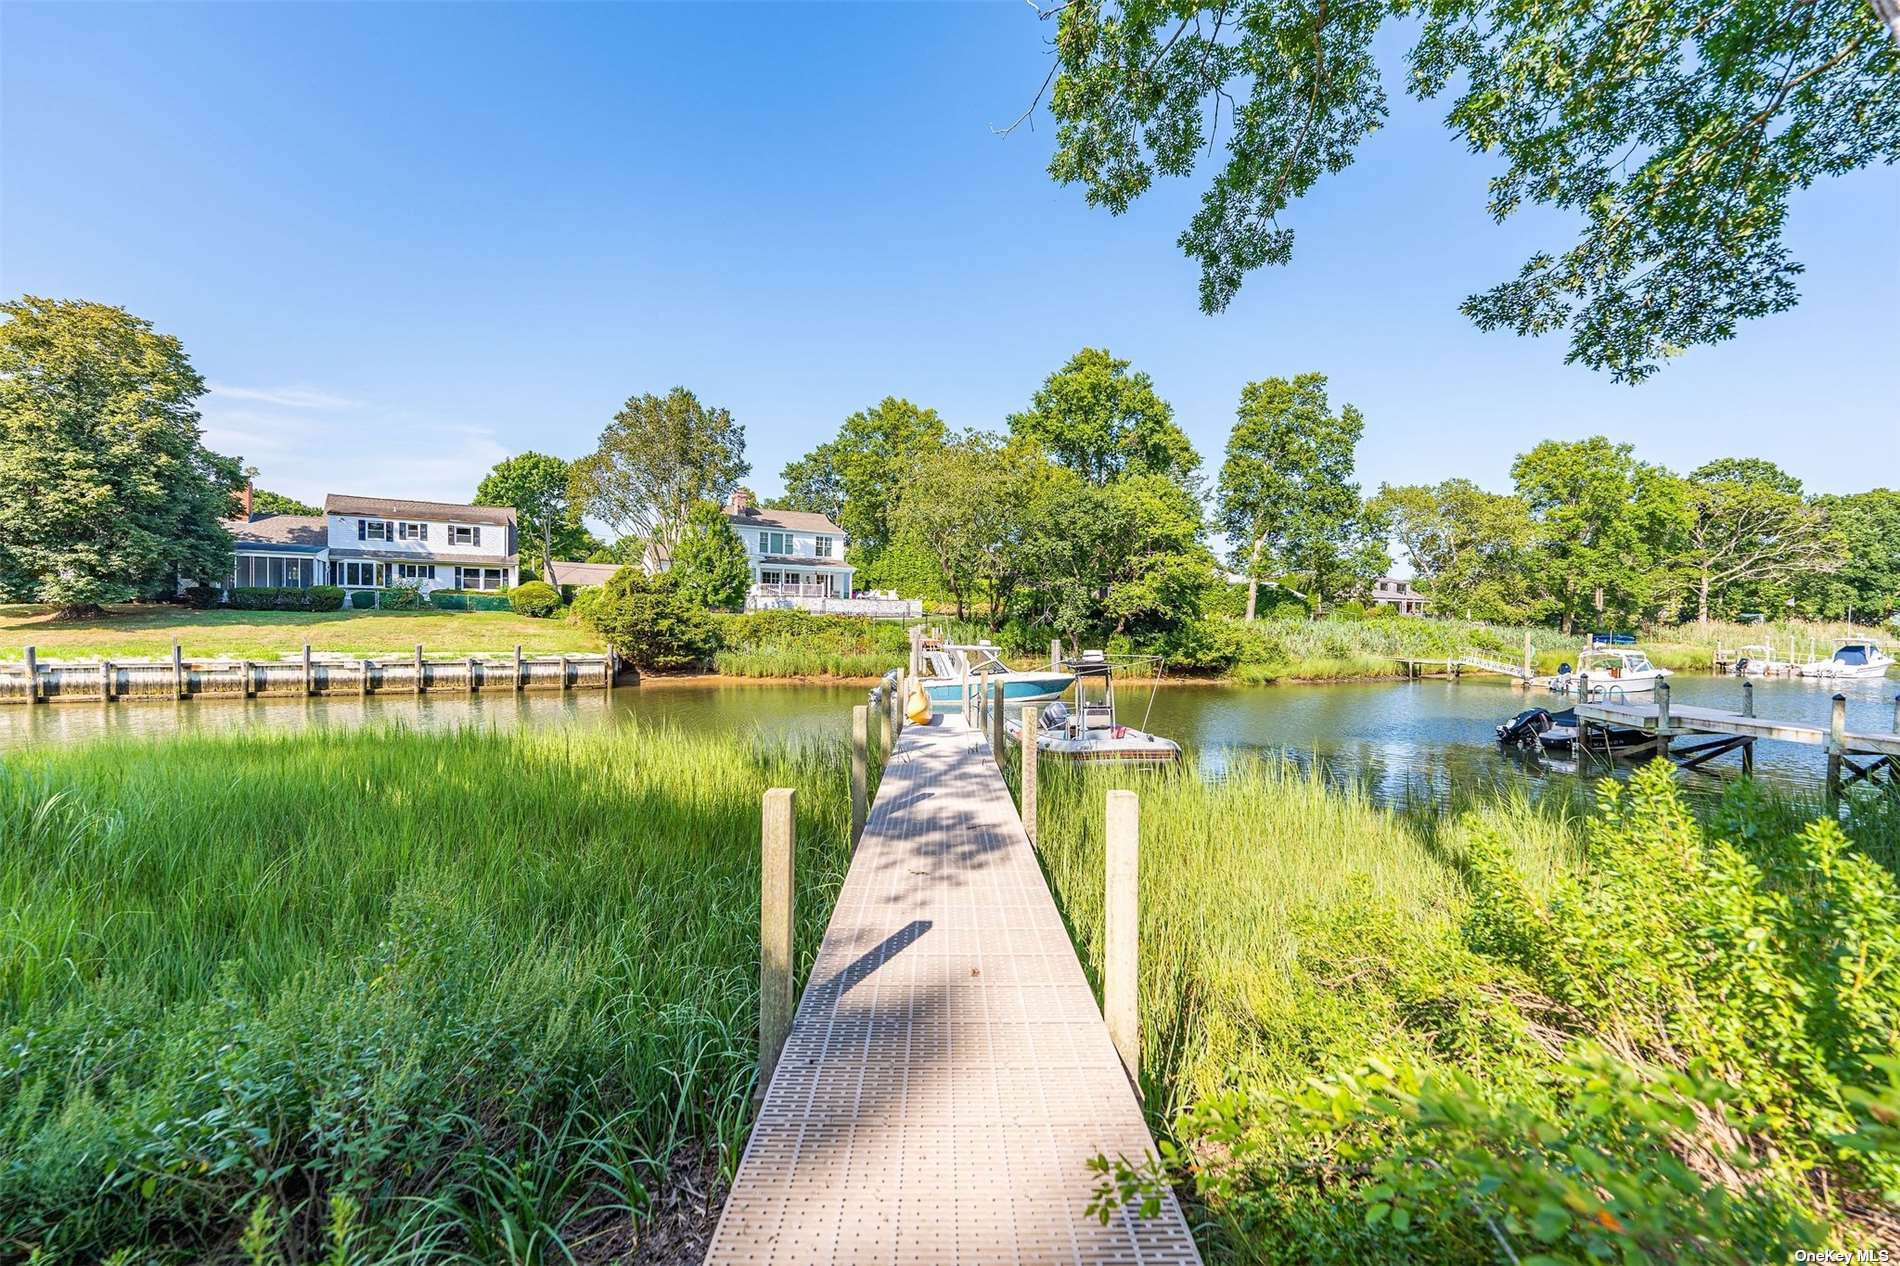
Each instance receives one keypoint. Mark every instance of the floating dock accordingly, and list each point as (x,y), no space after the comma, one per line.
(948,1076)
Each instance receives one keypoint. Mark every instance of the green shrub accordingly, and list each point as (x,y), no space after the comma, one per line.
(292,600)
(325,597)
(536,599)
(399,598)
(362,599)
(248,598)
(202,597)
(468,600)
(649,625)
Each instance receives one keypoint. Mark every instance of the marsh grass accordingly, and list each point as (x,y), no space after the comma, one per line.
(480,985)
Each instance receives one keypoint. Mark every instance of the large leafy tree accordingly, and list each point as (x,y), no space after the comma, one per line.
(1749,525)
(710,567)
(264,501)
(1674,131)
(1608,527)
(1103,422)
(106,488)
(659,456)
(1470,549)
(540,488)
(1866,581)
(1286,497)
(971,505)
(853,478)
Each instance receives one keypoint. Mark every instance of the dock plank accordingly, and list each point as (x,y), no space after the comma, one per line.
(948,1075)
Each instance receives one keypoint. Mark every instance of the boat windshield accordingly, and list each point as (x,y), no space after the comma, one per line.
(1853,653)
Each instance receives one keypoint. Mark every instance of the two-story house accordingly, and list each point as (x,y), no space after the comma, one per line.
(793,553)
(375,542)
(1398,594)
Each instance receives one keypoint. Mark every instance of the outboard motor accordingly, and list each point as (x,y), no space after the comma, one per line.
(1055,716)
(1741,666)
(1524,728)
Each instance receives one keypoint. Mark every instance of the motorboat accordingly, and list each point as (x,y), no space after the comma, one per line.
(1757,660)
(1850,659)
(1089,729)
(1608,673)
(1540,729)
(948,668)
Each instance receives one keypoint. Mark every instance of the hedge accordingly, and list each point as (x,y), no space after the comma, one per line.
(535,599)
(316,598)
(464,600)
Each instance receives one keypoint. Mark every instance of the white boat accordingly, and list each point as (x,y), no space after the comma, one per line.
(1756,660)
(1608,672)
(947,666)
(1089,730)
(1850,659)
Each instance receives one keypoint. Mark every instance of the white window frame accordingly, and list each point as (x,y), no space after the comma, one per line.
(482,576)
(359,568)
(407,531)
(415,571)
(464,534)
(377,530)
(822,546)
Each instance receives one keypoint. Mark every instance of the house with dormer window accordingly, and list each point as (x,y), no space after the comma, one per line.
(793,553)
(375,543)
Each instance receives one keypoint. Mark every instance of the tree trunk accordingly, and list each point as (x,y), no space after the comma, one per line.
(1253,576)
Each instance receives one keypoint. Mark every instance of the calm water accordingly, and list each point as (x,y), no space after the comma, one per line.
(1401,740)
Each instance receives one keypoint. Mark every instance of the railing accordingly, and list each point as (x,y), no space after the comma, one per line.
(787,590)
(876,608)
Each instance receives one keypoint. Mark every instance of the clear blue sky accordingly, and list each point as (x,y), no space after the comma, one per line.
(404,242)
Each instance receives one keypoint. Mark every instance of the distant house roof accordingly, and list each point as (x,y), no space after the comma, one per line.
(784,520)
(580,575)
(285,532)
(438,511)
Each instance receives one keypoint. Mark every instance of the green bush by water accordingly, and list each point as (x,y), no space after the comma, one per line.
(1381,1036)
(478,987)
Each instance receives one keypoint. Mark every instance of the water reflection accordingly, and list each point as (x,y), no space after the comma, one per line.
(1402,742)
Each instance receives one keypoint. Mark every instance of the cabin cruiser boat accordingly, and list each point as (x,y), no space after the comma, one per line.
(1850,659)
(1611,672)
(947,667)
(1089,730)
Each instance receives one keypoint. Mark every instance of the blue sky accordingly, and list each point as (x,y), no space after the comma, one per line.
(406,241)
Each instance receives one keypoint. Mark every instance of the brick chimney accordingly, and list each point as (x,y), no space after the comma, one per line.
(740,502)
(244,502)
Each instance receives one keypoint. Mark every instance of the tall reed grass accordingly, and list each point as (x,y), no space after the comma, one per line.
(480,987)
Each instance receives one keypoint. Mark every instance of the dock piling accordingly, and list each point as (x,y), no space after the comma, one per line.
(32,676)
(1748,698)
(1030,752)
(362,680)
(998,733)
(1836,748)
(418,681)
(309,678)
(178,670)
(886,731)
(1055,654)
(1896,714)
(468,675)
(860,737)
(1121,932)
(777,840)
(519,680)
(105,680)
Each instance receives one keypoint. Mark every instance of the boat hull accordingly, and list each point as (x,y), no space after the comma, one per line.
(1609,687)
(1830,669)
(1017,688)
(1134,747)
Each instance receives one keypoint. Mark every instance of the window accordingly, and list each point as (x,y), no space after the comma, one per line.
(775,543)
(413,572)
(824,547)
(478,577)
(769,577)
(464,534)
(375,530)
(355,575)
(412,531)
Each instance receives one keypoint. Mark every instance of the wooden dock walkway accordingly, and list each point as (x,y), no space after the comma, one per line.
(948,1075)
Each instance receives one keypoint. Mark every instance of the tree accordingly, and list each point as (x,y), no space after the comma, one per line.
(1675,131)
(264,501)
(1749,524)
(814,483)
(647,622)
(540,488)
(1469,548)
(1103,422)
(106,488)
(1866,580)
(1286,497)
(1608,527)
(710,567)
(968,505)
(659,456)
(853,478)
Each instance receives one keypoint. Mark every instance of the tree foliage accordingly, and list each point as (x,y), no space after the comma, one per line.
(106,488)
(1674,131)
(853,478)
(1103,422)
(548,518)
(1470,549)
(710,567)
(659,456)
(648,622)
(1749,526)
(264,501)
(1867,580)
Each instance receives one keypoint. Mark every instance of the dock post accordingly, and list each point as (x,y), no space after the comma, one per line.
(1055,654)
(1030,752)
(887,729)
(309,678)
(563,673)
(860,737)
(518,682)
(105,679)
(178,670)
(418,681)
(999,734)
(897,708)
(1662,719)
(32,675)
(1121,930)
(468,674)
(1748,698)
(777,838)
(1836,746)
(362,682)
(1896,714)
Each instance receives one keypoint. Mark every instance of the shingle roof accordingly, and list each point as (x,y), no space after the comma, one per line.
(785,520)
(436,511)
(283,531)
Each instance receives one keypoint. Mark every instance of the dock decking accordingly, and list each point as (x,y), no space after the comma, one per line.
(1692,720)
(948,1075)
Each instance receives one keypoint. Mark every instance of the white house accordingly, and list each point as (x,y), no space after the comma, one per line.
(375,542)
(793,553)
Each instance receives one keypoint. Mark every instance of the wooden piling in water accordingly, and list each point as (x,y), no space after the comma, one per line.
(105,681)
(1055,654)
(1121,929)
(1836,748)
(418,681)
(362,680)
(777,896)
(1748,698)
(178,670)
(309,678)
(32,676)
(520,684)
(1030,753)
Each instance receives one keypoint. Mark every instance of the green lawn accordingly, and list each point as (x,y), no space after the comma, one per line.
(134,632)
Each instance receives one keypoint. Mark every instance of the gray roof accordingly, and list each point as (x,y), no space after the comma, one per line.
(583,574)
(416,556)
(785,521)
(436,511)
(291,533)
